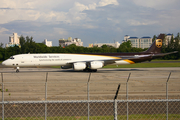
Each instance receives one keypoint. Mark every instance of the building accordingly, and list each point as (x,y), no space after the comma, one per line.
(144,42)
(66,42)
(47,43)
(134,41)
(90,45)
(126,38)
(168,38)
(116,44)
(13,40)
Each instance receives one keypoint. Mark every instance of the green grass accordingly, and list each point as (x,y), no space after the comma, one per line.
(120,117)
(144,65)
(166,60)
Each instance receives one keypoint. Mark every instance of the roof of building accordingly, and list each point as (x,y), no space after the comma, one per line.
(146,37)
(169,34)
(133,38)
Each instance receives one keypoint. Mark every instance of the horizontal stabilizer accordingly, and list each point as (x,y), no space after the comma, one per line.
(163,54)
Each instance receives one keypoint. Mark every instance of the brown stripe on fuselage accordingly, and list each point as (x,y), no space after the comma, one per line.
(129,61)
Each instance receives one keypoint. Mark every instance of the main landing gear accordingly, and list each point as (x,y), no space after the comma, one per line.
(90,70)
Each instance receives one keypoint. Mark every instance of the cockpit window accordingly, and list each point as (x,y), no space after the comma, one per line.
(11,57)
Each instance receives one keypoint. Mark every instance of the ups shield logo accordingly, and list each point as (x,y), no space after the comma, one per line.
(159,43)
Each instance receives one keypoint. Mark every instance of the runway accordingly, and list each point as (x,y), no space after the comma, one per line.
(144,83)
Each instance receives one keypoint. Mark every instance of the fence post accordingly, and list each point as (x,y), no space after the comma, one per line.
(88,93)
(46,96)
(115,109)
(2,97)
(115,102)
(127,96)
(167,96)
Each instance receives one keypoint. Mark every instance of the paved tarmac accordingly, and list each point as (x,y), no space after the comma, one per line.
(144,83)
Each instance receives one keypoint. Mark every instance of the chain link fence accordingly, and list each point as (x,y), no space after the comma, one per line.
(92,110)
(54,99)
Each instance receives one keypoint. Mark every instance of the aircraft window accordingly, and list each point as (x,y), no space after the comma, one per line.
(11,57)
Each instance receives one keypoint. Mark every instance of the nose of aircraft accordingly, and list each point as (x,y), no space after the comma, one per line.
(3,63)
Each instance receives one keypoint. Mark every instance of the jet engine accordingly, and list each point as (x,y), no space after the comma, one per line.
(96,65)
(79,66)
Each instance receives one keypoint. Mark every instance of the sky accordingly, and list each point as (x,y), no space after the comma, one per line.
(93,21)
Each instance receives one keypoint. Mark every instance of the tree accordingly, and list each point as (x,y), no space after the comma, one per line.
(125,47)
(1,45)
(1,53)
(71,48)
(177,40)
(154,38)
(22,43)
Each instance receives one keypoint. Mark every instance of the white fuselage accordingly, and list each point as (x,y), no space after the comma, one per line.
(56,59)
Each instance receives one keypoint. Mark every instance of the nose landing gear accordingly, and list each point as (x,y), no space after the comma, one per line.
(17,69)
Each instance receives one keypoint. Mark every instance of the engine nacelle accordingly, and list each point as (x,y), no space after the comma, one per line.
(96,65)
(79,66)
(66,67)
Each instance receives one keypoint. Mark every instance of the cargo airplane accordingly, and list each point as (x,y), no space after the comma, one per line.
(86,61)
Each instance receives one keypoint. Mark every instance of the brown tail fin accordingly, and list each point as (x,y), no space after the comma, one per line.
(156,45)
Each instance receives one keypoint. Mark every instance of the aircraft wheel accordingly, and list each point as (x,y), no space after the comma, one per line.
(90,70)
(94,70)
(17,70)
(84,70)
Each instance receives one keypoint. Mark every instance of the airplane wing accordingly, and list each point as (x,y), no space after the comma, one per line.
(131,59)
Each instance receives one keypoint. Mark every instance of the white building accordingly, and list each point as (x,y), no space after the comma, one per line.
(144,42)
(134,41)
(66,42)
(13,40)
(116,44)
(47,43)
(168,38)
(126,38)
